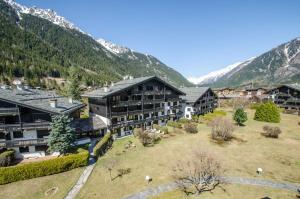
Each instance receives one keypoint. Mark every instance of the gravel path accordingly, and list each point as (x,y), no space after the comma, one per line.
(152,191)
(85,174)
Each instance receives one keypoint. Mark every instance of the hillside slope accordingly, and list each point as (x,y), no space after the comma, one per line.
(37,43)
(277,66)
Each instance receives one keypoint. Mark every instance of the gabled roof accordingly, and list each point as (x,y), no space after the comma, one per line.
(39,100)
(293,86)
(193,93)
(126,84)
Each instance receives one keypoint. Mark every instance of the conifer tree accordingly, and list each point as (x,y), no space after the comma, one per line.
(62,135)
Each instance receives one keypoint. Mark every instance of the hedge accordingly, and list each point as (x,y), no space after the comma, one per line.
(174,124)
(43,168)
(103,145)
(267,112)
(6,158)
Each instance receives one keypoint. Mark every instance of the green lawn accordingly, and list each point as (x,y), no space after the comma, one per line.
(279,159)
(37,187)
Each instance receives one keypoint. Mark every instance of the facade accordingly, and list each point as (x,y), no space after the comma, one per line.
(286,96)
(198,101)
(25,116)
(138,102)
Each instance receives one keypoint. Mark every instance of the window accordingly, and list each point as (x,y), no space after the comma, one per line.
(42,133)
(41,148)
(24,149)
(187,116)
(18,134)
(188,109)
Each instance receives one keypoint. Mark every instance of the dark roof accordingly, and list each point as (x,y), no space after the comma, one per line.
(193,93)
(293,86)
(39,100)
(125,84)
(93,123)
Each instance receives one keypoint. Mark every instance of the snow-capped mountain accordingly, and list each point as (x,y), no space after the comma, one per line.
(215,75)
(114,48)
(277,66)
(47,14)
(51,44)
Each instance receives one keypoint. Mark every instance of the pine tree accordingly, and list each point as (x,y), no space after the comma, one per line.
(73,89)
(62,135)
(240,116)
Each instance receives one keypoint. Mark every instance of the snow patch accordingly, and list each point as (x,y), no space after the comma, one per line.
(215,75)
(114,48)
(47,14)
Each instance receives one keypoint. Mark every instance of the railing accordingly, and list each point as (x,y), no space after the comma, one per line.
(35,125)
(136,102)
(24,142)
(9,111)
(133,122)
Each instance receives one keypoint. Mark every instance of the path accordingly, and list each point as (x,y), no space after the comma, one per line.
(152,191)
(85,174)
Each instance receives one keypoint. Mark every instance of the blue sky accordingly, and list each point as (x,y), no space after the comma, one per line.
(194,37)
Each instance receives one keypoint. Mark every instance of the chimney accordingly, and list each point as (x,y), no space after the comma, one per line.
(70,100)
(53,103)
(106,89)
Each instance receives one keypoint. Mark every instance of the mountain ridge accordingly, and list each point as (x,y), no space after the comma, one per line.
(279,65)
(69,47)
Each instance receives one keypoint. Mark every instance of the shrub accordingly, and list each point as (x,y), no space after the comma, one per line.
(210,116)
(103,145)
(222,129)
(267,112)
(161,128)
(122,172)
(183,120)
(6,158)
(240,116)
(191,127)
(148,138)
(195,118)
(174,124)
(272,132)
(164,129)
(43,168)
(197,172)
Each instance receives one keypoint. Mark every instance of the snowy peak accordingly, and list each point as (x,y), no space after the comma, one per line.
(114,48)
(47,14)
(215,75)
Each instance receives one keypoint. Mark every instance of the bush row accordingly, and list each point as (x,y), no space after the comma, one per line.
(103,145)
(43,168)
(6,158)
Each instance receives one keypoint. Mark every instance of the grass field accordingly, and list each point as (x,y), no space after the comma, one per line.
(279,158)
(36,188)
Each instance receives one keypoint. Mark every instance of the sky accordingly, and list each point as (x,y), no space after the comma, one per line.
(194,37)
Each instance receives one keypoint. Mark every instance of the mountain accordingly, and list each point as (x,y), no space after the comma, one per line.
(38,43)
(278,66)
(212,77)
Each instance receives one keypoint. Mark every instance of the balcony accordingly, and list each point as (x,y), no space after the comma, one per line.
(136,102)
(19,126)
(135,122)
(23,142)
(9,111)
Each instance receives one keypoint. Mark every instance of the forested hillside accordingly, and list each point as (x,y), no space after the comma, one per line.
(36,49)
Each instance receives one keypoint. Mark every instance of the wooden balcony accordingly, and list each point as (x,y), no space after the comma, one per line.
(19,126)
(9,111)
(136,122)
(23,142)
(136,102)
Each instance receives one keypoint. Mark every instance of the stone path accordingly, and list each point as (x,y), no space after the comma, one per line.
(85,174)
(152,191)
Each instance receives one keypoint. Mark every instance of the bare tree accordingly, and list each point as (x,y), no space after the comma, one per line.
(197,173)
(110,165)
